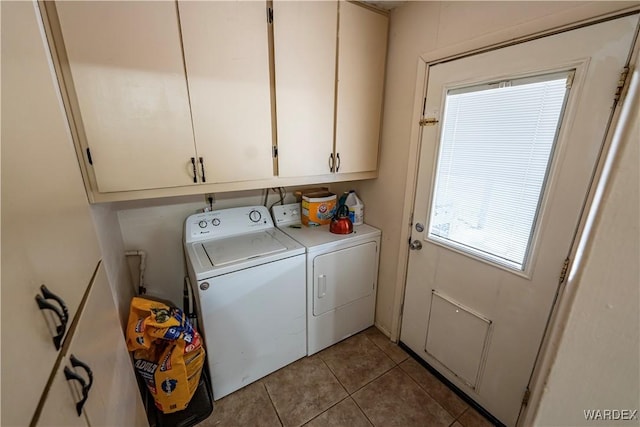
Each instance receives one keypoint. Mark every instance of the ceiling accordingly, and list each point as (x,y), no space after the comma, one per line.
(386,5)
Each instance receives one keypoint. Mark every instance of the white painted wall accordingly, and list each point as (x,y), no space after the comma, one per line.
(597,365)
(424,28)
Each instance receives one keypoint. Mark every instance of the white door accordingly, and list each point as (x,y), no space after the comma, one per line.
(503,176)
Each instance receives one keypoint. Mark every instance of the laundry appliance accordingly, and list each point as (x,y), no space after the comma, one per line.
(342,276)
(248,281)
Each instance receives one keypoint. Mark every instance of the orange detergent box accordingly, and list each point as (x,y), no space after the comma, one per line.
(318,208)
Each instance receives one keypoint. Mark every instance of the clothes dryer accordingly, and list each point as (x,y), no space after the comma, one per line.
(342,277)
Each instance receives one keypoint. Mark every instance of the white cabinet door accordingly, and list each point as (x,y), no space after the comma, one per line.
(226,53)
(113,398)
(47,232)
(305,35)
(59,410)
(361,64)
(126,64)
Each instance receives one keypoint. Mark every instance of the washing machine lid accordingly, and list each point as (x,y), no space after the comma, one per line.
(241,247)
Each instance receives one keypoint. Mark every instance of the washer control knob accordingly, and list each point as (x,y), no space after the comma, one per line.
(216,221)
(204,286)
(203,224)
(255,216)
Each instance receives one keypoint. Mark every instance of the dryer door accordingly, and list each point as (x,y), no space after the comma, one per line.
(343,276)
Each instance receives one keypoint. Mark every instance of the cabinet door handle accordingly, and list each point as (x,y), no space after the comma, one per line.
(202,167)
(331,162)
(47,294)
(195,173)
(62,312)
(338,162)
(73,376)
(77,363)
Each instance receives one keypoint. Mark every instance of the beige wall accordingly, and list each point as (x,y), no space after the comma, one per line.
(105,220)
(424,28)
(597,365)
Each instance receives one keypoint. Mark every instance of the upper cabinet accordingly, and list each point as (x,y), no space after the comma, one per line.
(329,67)
(305,41)
(226,52)
(132,112)
(173,98)
(362,50)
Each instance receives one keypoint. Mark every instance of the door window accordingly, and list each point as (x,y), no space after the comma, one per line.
(495,149)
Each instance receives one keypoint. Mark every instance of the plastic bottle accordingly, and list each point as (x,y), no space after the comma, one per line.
(356,208)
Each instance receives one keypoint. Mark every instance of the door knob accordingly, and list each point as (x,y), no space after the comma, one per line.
(416,245)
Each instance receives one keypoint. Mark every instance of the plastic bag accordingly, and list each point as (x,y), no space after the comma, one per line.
(168,352)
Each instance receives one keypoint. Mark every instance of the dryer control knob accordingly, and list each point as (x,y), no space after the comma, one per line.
(255,216)
(204,286)
(215,222)
(203,224)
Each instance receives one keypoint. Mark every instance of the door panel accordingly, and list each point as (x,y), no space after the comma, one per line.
(343,276)
(517,303)
(305,63)
(226,55)
(457,337)
(362,48)
(131,91)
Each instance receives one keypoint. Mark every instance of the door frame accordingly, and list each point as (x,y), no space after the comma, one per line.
(566,292)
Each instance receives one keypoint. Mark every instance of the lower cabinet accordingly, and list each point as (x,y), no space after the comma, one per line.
(94,383)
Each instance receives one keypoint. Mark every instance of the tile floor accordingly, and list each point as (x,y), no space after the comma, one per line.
(362,381)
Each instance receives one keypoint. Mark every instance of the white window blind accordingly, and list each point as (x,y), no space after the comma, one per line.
(496,145)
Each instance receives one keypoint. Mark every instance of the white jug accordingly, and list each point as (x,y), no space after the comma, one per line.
(356,208)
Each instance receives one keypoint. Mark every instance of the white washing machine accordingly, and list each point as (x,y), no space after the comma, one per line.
(248,279)
(342,277)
